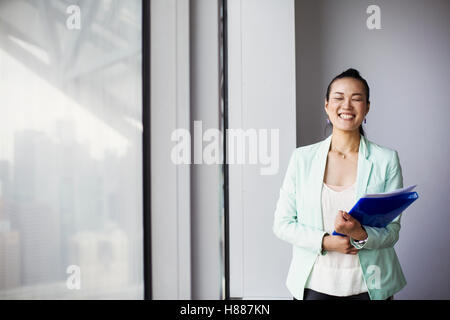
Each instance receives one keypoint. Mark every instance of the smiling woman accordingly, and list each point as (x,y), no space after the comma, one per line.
(325,266)
(347,87)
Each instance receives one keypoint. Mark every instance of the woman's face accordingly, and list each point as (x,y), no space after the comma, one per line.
(347,106)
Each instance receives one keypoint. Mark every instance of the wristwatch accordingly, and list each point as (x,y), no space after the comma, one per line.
(365,240)
(362,241)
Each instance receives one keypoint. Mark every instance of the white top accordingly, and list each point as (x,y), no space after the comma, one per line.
(336,273)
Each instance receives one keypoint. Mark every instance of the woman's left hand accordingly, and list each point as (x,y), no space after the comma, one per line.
(346,224)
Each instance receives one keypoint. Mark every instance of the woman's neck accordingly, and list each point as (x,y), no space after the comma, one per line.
(345,141)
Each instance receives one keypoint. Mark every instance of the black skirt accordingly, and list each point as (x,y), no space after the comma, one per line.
(309,294)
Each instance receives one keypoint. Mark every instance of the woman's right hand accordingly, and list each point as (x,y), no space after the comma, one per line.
(338,243)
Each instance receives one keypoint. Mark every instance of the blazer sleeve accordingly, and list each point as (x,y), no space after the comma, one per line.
(286,225)
(379,238)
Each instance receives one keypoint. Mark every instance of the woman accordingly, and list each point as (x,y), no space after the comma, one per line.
(322,183)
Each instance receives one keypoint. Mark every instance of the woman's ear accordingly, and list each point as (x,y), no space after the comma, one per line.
(368,108)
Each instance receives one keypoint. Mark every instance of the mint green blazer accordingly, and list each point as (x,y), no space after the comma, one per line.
(298,216)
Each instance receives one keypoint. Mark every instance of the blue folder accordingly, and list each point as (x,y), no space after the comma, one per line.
(380,211)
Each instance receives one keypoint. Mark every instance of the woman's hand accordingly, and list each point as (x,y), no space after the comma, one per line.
(338,243)
(346,224)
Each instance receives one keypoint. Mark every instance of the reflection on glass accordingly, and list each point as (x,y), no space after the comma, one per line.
(70,150)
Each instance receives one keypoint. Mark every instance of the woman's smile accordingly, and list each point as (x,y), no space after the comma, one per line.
(347,116)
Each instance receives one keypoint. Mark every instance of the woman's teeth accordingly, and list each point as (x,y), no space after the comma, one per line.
(346,116)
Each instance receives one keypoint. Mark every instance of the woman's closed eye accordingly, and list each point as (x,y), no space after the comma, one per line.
(340,98)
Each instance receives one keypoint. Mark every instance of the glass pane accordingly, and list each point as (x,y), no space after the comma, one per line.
(70,149)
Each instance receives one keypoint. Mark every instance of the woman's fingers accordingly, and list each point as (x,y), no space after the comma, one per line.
(343,245)
(346,216)
(350,248)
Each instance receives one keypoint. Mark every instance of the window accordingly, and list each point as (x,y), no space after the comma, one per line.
(71,149)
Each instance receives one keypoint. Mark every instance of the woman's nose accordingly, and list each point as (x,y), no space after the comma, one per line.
(346,102)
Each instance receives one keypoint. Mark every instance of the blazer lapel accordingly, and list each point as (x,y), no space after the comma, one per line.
(364,168)
(317,174)
(318,171)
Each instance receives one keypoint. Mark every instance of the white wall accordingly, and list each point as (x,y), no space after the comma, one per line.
(170,183)
(261,51)
(206,183)
(281,59)
(406,64)
(187,215)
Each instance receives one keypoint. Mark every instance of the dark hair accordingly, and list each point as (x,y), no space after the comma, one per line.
(351,73)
